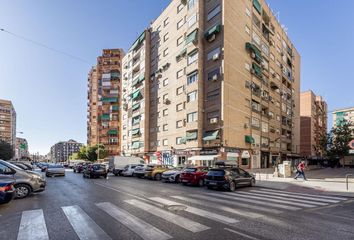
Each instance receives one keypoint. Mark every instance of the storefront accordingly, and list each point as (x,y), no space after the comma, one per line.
(245,159)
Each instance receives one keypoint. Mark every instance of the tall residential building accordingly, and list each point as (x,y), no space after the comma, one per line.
(343,114)
(313,115)
(61,151)
(7,122)
(212,80)
(104,87)
(21,150)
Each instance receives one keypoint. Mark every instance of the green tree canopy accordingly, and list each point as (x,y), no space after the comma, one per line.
(6,151)
(89,153)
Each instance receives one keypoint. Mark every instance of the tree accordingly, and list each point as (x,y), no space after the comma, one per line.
(6,151)
(89,153)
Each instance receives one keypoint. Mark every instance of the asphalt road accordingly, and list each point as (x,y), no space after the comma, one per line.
(127,208)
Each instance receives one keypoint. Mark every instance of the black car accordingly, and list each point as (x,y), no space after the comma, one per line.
(228,178)
(7,190)
(95,170)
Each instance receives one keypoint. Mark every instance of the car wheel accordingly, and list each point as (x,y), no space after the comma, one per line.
(201,183)
(232,186)
(22,190)
(253,182)
(105,176)
(184,184)
(158,177)
(134,175)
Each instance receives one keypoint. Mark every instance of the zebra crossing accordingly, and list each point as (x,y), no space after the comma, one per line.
(196,214)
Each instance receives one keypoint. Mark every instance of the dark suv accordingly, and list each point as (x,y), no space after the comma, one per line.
(95,170)
(228,178)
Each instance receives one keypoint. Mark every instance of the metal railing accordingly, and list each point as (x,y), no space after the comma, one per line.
(347,179)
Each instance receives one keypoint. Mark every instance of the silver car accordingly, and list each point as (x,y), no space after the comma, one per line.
(26,182)
(55,170)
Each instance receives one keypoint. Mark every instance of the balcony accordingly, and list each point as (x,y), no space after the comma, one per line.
(257,70)
(254,51)
(210,35)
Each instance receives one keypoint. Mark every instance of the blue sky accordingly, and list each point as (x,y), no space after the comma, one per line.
(49,89)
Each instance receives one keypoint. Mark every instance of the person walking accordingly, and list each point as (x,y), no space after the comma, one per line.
(300,170)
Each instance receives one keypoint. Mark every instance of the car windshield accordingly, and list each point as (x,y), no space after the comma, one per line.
(190,170)
(55,166)
(216,172)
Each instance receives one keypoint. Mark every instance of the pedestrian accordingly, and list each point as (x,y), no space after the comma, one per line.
(300,170)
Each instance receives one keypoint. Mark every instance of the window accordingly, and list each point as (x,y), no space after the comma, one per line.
(165,37)
(247,29)
(180,7)
(180,40)
(178,140)
(214,74)
(272,57)
(191,3)
(248,12)
(179,124)
(265,49)
(255,122)
(165,96)
(214,53)
(192,117)
(166,22)
(213,94)
(192,96)
(165,142)
(180,23)
(179,107)
(165,82)
(165,127)
(193,77)
(165,52)
(256,21)
(256,106)
(192,57)
(213,117)
(158,143)
(265,127)
(192,20)
(247,66)
(214,12)
(180,73)
(165,112)
(265,142)
(256,38)
(179,90)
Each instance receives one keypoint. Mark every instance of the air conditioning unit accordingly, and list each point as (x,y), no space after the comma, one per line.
(216,56)
(215,78)
(184,2)
(159,75)
(252,71)
(248,84)
(212,38)
(213,120)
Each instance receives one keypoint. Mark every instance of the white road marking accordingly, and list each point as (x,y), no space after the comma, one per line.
(169,217)
(271,200)
(242,234)
(218,195)
(284,198)
(83,225)
(136,225)
(223,208)
(32,226)
(197,211)
(304,194)
(319,199)
(236,204)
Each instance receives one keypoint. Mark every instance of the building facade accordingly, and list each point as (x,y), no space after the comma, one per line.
(313,115)
(21,150)
(7,122)
(61,151)
(340,115)
(221,82)
(104,88)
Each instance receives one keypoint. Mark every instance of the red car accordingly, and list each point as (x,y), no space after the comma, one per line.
(194,175)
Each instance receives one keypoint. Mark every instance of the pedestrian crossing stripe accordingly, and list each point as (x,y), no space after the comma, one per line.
(32,226)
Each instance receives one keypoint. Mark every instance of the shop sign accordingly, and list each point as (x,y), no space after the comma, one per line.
(208,152)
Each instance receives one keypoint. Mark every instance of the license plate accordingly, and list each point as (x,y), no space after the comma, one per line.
(184,180)
(212,183)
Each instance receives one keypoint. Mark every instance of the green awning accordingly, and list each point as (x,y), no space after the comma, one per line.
(112,99)
(115,108)
(115,75)
(112,132)
(181,54)
(105,117)
(136,131)
(249,139)
(252,48)
(257,6)
(138,41)
(257,70)
(135,145)
(211,135)
(136,94)
(138,80)
(192,36)
(136,106)
(191,136)
(135,120)
(214,30)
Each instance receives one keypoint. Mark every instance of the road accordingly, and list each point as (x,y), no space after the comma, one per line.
(128,208)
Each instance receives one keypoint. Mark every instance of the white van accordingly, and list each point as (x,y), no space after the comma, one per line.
(117,164)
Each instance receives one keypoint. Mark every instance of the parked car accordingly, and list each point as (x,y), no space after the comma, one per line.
(79,168)
(7,190)
(139,171)
(43,166)
(228,178)
(194,175)
(95,170)
(55,170)
(172,175)
(129,170)
(21,165)
(117,164)
(155,171)
(26,182)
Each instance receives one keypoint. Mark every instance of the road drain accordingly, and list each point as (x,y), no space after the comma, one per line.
(176,208)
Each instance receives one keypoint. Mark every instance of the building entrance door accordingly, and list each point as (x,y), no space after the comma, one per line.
(264,160)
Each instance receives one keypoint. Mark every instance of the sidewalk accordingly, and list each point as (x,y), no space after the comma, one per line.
(325,181)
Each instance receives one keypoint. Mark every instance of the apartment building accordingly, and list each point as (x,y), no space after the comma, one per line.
(61,151)
(104,89)
(7,122)
(340,115)
(313,122)
(21,150)
(221,82)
